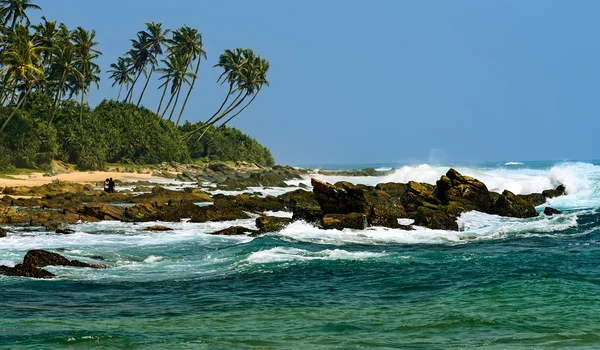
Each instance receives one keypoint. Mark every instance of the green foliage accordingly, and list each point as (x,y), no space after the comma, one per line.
(226,144)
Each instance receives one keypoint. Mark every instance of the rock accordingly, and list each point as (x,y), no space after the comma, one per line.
(220,211)
(3,232)
(396,190)
(345,199)
(144,189)
(258,204)
(271,223)
(303,205)
(158,228)
(162,195)
(559,191)
(65,231)
(551,211)
(437,219)
(468,193)
(103,211)
(534,198)
(35,260)
(508,204)
(356,221)
(233,231)
(420,195)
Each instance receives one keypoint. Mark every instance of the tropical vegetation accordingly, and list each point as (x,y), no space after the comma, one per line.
(47,72)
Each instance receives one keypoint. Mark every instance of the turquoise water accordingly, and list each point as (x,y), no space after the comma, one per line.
(499,283)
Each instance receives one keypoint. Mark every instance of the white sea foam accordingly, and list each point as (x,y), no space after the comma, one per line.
(284,254)
(514,163)
(152,259)
(279,214)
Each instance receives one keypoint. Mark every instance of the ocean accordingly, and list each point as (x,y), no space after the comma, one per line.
(498,283)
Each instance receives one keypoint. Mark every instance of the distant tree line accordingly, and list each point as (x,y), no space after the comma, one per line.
(46,74)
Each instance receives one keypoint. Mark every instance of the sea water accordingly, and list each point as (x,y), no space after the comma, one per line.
(497,283)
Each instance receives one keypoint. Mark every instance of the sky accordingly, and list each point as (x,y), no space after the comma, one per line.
(385,81)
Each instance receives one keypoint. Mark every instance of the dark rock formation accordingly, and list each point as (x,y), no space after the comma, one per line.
(356,221)
(551,211)
(271,223)
(303,205)
(35,260)
(158,228)
(508,204)
(3,232)
(534,198)
(233,231)
(435,219)
(162,195)
(103,211)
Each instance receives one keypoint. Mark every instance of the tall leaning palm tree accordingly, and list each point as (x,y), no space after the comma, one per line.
(64,67)
(175,72)
(47,35)
(14,11)
(139,56)
(188,43)
(86,52)
(121,74)
(22,66)
(155,38)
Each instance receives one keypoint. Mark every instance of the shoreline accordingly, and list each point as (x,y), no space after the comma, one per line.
(81,177)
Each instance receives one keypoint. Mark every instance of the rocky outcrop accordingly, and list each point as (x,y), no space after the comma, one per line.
(356,221)
(559,191)
(160,228)
(508,204)
(3,232)
(267,224)
(534,198)
(551,211)
(103,211)
(465,192)
(162,195)
(303,206)
(53,188)
(233,231)
(35,260)
(435,219)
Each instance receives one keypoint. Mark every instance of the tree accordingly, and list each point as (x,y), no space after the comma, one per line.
(120,74)
(175,71)
(14,10)
(22,66)
(155,37)
(246,74)
(64,66)
(189,41)
(85,44)
(139,56)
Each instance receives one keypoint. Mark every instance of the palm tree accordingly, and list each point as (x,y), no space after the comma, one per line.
(22,66)
(85,44)
(189,43)
(247,74)
(47,34)
(175,71)
(139,57)
(64,66)
(120,74)
(155,38)
(15,10)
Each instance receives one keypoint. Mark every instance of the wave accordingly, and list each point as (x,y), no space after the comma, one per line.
(285,254)
(514,163)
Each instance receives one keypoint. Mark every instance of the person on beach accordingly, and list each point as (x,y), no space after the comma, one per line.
(111,185)
(106,185)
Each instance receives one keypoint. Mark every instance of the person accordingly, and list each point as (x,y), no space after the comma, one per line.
(111,185)
(106,185)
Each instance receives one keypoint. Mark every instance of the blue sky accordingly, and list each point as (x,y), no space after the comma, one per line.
(387,81)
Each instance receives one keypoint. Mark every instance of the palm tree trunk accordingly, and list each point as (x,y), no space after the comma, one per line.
(241,110)
(168,105)
(175,104)
(81,115)
(130,93)
(190,90)
(14,110)
(210,122)
(145,86)
(61,86)
(163,96)
(119,94)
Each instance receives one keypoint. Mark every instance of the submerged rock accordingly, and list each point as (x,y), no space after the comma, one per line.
(3,232)
(158,228)
(233,231)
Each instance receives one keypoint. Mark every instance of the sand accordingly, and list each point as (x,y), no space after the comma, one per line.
(37,179)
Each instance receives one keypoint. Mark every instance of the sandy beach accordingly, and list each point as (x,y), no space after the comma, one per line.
(37,179)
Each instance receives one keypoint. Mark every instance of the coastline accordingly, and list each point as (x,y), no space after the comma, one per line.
(81,177)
